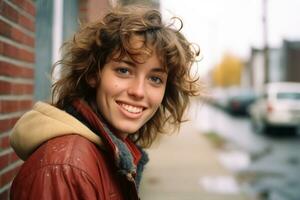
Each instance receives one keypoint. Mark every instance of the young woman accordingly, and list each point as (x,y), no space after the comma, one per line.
(122,78)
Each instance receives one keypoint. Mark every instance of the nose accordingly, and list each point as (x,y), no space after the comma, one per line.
(136,88)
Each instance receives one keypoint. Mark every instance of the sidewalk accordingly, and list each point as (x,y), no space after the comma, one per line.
(182,167)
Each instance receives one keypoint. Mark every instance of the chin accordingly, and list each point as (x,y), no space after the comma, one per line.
(128,130)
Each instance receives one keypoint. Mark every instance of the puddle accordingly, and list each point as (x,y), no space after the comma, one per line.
(276,189)
(234,160)
(220,184)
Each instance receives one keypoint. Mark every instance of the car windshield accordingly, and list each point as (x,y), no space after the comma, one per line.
(288,96)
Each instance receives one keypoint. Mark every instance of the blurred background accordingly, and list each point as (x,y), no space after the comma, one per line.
(242,138)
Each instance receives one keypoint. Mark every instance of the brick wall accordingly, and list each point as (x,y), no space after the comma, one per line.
(17,39)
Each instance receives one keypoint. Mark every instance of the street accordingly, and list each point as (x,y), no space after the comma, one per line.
(262,165)
(274,164)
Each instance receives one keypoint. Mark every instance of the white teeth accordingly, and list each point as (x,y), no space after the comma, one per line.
(132,109)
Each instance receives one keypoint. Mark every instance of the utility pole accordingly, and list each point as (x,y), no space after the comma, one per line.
(265,40)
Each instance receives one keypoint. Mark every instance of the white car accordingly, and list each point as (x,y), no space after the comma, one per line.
(279,106)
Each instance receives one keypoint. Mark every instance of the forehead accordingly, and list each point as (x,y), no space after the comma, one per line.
(138,51)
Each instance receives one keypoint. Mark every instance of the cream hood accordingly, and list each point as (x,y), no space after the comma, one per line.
(42,123)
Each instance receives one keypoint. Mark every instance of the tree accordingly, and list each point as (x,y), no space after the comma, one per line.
(228,72)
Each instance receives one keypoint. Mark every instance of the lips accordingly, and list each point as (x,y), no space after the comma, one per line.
(131,108)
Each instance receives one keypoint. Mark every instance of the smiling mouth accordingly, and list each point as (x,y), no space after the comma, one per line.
(130,108)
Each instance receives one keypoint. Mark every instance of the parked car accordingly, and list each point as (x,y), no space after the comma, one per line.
(239,102)
(235,100)
(279,106)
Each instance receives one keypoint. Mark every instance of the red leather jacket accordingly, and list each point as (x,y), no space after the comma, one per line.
(71,166)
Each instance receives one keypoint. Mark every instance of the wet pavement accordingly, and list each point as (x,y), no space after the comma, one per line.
(273,170)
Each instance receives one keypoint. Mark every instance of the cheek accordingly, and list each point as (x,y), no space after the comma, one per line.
(157,97)
(108,89)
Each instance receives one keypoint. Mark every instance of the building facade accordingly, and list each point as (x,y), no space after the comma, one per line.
(17,66)
(290,60)
(256,68)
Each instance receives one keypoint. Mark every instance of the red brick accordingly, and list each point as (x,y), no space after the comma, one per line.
(9,13)
(9,50)
(1,47)
(19,3)
(26,22)
(27,5)
(8,69)
(15,88)
(13,15)
(30,7)
(29,40)
(13,157)
(8,176)
(26,55)
(7,106)
(4,160)
(15,34)
(15,52)
(5,29)
(4,142)
(7,124)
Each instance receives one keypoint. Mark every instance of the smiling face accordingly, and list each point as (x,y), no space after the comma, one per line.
(130,93)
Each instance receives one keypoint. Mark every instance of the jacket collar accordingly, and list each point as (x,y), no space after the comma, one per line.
(43,123)
(128,157)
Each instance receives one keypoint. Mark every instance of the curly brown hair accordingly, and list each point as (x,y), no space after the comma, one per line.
(96,43)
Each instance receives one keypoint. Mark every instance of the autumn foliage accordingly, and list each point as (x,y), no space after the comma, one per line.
(228,72)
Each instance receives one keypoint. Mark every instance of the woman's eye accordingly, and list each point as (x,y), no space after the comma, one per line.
(156,80)
(123,71)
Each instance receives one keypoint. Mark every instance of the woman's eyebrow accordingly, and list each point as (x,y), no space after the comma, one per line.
(133,64)
(128,62)
(159,69)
